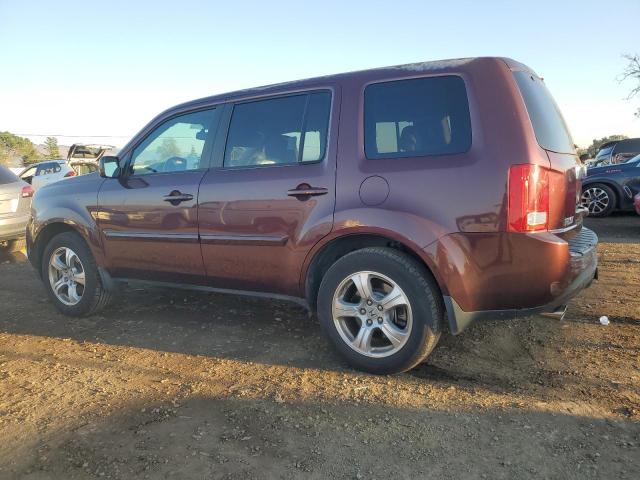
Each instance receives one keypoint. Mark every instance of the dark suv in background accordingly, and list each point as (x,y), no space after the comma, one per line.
(398,203)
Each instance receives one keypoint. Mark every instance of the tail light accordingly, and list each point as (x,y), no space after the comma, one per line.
(70,173)
(528,209)
(27,191)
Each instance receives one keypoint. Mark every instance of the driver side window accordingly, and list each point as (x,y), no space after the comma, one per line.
(174,146)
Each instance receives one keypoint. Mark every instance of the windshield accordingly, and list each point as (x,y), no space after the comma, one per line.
(604,151)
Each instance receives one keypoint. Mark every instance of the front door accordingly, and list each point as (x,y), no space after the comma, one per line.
(149,217)
(273,195)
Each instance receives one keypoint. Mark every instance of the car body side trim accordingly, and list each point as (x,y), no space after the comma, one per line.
(274,240)
(152,236)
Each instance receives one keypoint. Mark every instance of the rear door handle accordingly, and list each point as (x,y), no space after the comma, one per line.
(306,190)
(176,197)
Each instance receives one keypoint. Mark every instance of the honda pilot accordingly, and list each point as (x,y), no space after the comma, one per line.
(397,203)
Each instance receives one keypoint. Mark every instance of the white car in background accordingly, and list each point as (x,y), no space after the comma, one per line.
(81,160)
(46,172)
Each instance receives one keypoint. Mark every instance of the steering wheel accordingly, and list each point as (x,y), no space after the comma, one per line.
(175,164)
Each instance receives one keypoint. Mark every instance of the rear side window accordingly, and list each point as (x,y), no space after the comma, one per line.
(549,126)
(417,117)
(279,131)
(48,168)
(7,176)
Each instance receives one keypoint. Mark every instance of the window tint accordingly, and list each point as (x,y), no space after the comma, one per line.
(7,176)
(548,124)
(412,118)
(174,146)
(278,131)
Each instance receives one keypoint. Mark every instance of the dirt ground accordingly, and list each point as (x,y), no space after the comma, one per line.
(173,384)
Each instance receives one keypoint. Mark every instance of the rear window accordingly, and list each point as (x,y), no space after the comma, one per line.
(7,176)
(417,117)
(549,126)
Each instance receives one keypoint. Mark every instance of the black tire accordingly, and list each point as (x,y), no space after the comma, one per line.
(613,200)
(95,296)
(16,245)
(419,287)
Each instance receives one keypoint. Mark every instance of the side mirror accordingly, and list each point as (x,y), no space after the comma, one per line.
(109,167)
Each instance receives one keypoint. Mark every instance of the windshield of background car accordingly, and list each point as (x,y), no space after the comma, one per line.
(549,126)
(604,151)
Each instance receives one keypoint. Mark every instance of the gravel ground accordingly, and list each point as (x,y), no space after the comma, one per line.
(174,384)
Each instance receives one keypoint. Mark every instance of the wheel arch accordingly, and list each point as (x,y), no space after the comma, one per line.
(609,183)
(328,252)
(50,230)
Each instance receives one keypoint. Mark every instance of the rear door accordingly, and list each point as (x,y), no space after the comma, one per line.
(272,196)
(149,216)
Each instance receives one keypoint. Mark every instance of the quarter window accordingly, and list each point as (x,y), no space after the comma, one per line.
(279,131)
(176,145)
(417,117)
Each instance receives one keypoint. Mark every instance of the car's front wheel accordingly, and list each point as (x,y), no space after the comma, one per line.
(71,276)
(381,309)
(600,199)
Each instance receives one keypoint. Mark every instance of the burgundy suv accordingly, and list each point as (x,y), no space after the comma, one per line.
(398,203)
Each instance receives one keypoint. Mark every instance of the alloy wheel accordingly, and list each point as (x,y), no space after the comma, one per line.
(66,276)
(372,314)
(595,199)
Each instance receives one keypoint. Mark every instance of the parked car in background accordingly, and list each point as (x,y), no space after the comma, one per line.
(15,202)
(636,203)
(81,160)
(405,225)
(82,167)
(49,171)
(615,152)
(87,152)
(611,187)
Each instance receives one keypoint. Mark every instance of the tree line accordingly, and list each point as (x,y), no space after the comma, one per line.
(15,150)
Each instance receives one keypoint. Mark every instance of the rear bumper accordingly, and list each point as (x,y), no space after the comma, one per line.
(581,270)
(13,228)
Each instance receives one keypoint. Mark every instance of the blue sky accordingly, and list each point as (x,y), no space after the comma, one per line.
(78,69)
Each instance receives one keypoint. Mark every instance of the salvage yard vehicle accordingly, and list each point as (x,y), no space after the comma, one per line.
(611,187)
(81,160)
(15,200)
(397,203)
(49,171)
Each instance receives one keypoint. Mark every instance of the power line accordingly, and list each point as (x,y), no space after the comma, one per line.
(69,136)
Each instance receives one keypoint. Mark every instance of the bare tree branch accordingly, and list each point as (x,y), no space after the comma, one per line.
(632,71)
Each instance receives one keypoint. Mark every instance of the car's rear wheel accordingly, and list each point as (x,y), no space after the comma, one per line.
(71,276)
(381,309)
(600,199)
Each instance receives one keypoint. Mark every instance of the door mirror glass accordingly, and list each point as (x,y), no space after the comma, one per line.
(109,167)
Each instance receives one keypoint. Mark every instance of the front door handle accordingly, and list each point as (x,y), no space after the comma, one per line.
(175,197)
(305,190)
